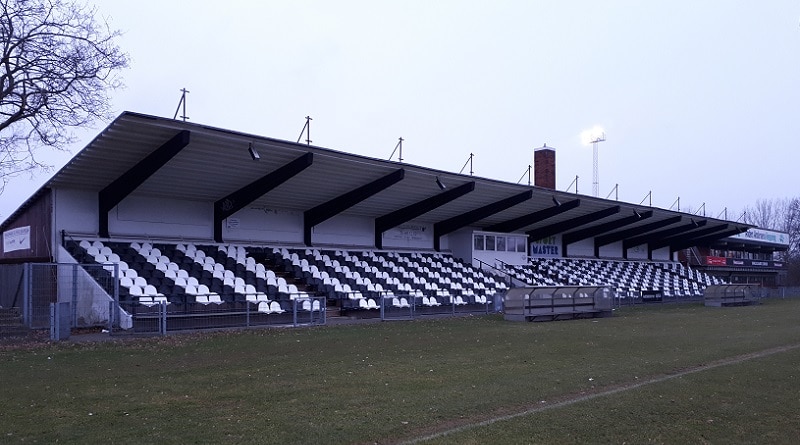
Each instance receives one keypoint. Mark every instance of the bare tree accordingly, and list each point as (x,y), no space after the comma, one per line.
(57,65)
(767,213)
(782,215)
(791,225)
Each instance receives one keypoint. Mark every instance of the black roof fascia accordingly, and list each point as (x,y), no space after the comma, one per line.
(683,237)
(552,229)
(333,207)
(635,231)
(707,240)
(407,213)
(125,184)
(589,232)
(452,224)
(652,237)
(532,218)
(239,199)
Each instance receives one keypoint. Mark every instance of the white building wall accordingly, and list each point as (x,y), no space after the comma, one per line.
(411,235)
(583,248)
(460,244)
(162,218)
(75,211)
(638,252)
(344,230)
(613,250)
(549,247)
(263,225)
(444,244)
(662,254)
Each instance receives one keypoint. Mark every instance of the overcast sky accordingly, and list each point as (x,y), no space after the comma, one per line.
(698,100)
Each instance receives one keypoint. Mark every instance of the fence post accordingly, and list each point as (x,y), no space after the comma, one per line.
(27,305)
(60,315)
(111,315)
(74,290)
(163,314)
(115,297)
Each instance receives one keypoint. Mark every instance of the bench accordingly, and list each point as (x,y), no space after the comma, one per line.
(731,295)
(557,303)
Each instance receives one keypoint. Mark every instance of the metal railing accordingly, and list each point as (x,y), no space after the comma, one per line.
(165,316)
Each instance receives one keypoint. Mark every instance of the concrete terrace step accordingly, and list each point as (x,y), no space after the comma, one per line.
(11,323)
(13,331)
(9,314)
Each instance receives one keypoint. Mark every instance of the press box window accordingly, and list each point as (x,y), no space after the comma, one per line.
(500,243)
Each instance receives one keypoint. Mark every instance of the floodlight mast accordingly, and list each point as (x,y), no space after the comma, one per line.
(595,173)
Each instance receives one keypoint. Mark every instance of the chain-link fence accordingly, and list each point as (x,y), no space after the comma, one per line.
(92,296)
(164,316)
(630,297)
(782,292)
(88,288)
(405,306)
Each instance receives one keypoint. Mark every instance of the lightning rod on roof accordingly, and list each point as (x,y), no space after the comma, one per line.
(469,162)
(615,191)
(648,195)
(575,181)
(307,130)
(703,208)
(676,203)
(396,147)
(527,172)
(182,103)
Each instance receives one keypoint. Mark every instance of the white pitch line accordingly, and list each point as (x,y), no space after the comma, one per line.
(724,362)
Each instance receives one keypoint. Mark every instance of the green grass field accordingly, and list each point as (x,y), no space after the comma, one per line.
(654,374)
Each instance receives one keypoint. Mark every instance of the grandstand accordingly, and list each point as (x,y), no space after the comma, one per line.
(628,278)
(188,222)
(192,279)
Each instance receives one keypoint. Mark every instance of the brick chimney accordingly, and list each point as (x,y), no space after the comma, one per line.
(544,167)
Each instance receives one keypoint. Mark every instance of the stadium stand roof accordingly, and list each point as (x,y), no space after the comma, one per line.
(151,156)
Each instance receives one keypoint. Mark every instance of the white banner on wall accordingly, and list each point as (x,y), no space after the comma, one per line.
(549,247)
(17,239)
(763,235)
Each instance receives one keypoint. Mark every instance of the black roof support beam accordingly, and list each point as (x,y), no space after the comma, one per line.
(552,229)
(241,198)
(680,238)
(400,216)
(613,225)
(635,231)
(706,240)
(532,218)
(442,228)
(341,203)
(655,236)
(588,232)
(114,193)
